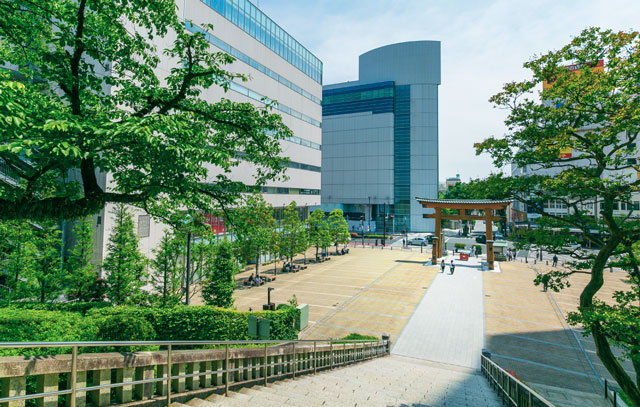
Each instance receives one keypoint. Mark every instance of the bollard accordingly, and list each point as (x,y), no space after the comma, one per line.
(535,261)
(547,262)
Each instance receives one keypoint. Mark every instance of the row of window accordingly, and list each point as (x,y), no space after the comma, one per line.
(291,164)
(284,190)
(617,206)
(362,95)
(250,61)
(260,98)
(254,22)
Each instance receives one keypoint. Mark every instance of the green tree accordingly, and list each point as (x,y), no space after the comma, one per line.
(203,256)
(595,114)
(81,273)
(319,235)
(91,95)
(48,271)
(338,227)
(253,226)
(17,258)
(293,238)
(168,265)
(218,288)
(124,263)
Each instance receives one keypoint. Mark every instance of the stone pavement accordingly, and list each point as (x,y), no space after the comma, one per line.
(447,325)
(387,381)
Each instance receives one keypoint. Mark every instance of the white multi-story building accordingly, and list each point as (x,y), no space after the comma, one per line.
(280,69)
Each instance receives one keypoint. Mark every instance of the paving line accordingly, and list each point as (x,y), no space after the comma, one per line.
(373,313)
(518,306)
(389,301)
(542,365)
(532,339)
(524,320)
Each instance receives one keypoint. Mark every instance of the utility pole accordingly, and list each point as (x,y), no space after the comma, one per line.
(369,215)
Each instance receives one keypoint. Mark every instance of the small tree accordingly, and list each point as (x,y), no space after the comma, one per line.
(17,257)
(319,235)
(48,271)
(253,226)
(124,263)
(338,227)
(169,267)
(218,288)
(81,274)
(293,237)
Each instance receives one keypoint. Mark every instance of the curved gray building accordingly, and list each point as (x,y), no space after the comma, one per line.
(380,137)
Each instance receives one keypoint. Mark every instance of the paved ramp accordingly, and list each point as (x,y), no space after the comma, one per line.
(447,326)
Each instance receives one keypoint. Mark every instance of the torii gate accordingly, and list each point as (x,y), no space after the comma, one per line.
(462,205)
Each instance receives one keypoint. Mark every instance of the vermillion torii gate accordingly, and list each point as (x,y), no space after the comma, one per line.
(462,205)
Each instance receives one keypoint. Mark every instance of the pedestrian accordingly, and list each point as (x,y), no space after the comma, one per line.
(452,266)
(555,261)
(403,243)
(442,266)
(545,282)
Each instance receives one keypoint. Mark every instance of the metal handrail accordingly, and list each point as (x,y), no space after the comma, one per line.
(226,371)
(511,390)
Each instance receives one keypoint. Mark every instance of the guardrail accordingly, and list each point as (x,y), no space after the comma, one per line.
(512,391)
(160,377)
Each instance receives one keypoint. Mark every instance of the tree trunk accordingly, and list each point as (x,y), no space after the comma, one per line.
(317,248)
(603,349)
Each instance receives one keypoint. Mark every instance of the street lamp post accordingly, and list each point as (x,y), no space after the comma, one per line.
(384,227)
(188,271)
(369,226)
(362,224)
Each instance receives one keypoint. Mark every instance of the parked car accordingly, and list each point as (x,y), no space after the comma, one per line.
(417,241)
(482,239)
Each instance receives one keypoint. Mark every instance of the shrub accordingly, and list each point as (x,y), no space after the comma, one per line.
(125,327)
(205,322)
(478,249)
(43,326)
(459,246)
(81,307)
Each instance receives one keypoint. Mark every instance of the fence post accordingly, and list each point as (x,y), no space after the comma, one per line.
(169,369)
(226,370)
(315,358)
(74,375)
(266,372)
(293,360)
(331,351)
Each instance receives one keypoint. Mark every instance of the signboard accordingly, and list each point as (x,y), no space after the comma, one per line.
(596,67)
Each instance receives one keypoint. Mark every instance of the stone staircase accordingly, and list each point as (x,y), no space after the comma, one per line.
(387,381)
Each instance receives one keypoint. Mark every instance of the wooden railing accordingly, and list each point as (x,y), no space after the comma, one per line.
(142,378)
(513,392)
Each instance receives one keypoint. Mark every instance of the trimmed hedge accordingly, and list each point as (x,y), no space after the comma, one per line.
(203,322)
(23,325)
(81,307)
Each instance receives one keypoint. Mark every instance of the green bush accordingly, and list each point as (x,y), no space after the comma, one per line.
(205,322)
(81,307)
(459,246)
(478,249)
(357,337)
(125,327)
(27,325)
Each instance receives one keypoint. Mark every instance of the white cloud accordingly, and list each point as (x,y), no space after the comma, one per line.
(484,44)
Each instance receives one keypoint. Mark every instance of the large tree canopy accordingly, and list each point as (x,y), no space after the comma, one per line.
(579,140)
(85,94)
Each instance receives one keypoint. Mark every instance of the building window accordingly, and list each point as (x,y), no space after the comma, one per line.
(144,225)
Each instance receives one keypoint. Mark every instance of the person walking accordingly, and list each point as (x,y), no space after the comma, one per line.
(442,266)
(452,266)
(555,261)
(545,282)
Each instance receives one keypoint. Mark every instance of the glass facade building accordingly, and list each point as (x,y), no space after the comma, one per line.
(380,137)
(249,18)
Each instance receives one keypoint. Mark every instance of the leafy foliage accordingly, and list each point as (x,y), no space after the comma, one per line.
(88,93)
(338,227)
(319,234)
(218,289)
(168,266)
(48,271)
(124,263)
(595,114)
(18,251)
(293,237)
(81,273)
(253,226)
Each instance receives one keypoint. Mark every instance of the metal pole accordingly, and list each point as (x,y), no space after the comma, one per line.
(168,375)
(369,227)
(226,370)
(188,271)
(265,365)
(74,375)
(315,358)
(384,221)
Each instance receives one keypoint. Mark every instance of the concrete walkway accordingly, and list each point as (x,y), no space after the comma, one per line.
(447,326)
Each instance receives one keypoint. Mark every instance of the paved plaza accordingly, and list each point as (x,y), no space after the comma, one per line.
(449,319)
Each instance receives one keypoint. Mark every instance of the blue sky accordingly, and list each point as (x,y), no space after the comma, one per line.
(484,44)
